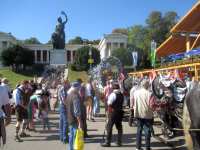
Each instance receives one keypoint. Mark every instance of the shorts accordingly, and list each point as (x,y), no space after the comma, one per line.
(89,101)
(21,113)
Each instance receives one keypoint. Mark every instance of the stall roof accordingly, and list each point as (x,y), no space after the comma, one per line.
(164,69)
(190,22)
(173,45)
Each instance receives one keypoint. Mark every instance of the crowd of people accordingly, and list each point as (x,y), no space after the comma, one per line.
(79,102)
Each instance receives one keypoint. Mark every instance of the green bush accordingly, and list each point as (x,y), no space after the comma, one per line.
(73,67)
(82,56)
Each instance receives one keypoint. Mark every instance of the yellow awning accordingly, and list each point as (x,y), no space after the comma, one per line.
(173,45)
(190,22)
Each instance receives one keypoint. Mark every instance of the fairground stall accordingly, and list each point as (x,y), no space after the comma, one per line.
(181,51)
(180,55)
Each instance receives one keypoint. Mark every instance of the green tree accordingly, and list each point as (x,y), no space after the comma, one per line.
(14,56)
(138,37)
(82,56)
(170,19)
(32,40)
(159,25)
(120,30)
(124,55)
(76,40)
(157,28)
(8,56)
(49,42)
(80,40)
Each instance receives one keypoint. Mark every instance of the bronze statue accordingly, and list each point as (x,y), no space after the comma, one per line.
(58,37)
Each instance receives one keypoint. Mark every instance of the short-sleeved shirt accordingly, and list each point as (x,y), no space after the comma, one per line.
(88,89)
(111,98)
(17,96)
(133,89)
(62,94)
(4,99)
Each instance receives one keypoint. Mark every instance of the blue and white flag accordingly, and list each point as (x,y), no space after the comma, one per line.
(135,59)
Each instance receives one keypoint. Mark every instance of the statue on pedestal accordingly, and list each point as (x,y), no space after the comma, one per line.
(58,37)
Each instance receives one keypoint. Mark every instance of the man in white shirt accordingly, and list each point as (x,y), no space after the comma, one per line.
(21,110)
(143,113)
(131,117)
(4,83)
(89,93)
(4,112)
(115,115)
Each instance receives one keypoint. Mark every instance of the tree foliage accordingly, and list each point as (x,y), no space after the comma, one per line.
(82,56)
(157,28)
(49,42)
(124,55)
(80,40)
(16,56)
(76,40)
(120,30)
(32,40)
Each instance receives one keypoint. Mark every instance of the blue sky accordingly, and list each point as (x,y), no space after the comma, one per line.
(87,18)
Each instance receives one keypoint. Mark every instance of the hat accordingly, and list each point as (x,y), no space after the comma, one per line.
(76,84)
(4,80)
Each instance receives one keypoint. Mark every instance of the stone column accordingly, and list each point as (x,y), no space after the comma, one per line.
(111,49)
(47,56)
(41,57)
(72,58)
(35,56)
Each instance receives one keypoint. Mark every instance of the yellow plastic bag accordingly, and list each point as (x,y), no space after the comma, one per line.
(79,140)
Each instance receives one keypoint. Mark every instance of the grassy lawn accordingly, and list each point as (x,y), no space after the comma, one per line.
(73,75)
(14,78)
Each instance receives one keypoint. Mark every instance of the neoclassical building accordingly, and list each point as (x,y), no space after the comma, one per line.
(42,51)
(6,40)
(111,42)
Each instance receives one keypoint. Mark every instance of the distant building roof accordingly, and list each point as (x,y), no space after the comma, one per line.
(4,34)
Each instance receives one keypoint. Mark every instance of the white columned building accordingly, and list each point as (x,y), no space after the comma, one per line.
(42,51)
(110,42)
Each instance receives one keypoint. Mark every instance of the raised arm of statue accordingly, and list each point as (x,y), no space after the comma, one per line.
(66,19)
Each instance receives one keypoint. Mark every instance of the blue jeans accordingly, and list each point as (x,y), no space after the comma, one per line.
(63,125)
(145,124)
(46,123)
(96,108)
(72,135)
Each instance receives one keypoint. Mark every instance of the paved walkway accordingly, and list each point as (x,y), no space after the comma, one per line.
(48,140)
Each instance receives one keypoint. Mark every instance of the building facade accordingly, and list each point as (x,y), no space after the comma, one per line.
(111,42)
(42,51)
(6,40)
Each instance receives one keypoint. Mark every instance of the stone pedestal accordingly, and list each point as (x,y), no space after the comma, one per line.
(58,57)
